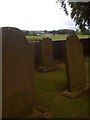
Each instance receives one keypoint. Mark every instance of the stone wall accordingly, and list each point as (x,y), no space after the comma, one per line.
(58,50)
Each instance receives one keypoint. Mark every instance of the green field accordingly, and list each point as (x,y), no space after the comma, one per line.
(49,101)
(55,37)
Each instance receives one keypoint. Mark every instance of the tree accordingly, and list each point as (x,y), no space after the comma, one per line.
(26,32)
(45,31)
(79,13)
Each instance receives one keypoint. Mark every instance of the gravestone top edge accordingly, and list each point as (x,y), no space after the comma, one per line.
(18,31)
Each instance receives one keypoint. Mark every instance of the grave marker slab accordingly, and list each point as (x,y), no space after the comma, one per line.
(17,74)
(46,51)
(0,74)
(75,68)
(87,72)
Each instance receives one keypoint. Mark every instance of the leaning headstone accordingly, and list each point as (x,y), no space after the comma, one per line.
(75,68)
(17,74)
(46,55)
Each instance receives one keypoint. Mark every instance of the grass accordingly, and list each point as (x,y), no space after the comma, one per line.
(48,100)
(56,37)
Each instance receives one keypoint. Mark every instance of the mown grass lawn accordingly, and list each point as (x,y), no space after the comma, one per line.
(55,37)
(48,99)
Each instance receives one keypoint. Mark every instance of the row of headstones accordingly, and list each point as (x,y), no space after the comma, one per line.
(18,70)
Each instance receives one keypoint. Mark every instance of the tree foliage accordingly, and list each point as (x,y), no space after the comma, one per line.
(80,13)
(63,31)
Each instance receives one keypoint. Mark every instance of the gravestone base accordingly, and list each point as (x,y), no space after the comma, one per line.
(74,94)
(48,68)
(41,113)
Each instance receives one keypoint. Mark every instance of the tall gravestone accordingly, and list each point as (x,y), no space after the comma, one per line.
(46,55)
(17,74)
(75,68)
(88,75)
(0,74)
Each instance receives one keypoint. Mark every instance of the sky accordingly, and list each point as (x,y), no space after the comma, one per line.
(34,15)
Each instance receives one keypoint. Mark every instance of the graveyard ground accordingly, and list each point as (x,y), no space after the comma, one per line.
(48,101)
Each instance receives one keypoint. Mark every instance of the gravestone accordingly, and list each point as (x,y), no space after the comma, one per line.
(46,55)
(88,75)
(0,74)
(17,74)
(75,68)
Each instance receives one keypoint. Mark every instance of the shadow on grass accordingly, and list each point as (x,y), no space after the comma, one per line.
(49,104)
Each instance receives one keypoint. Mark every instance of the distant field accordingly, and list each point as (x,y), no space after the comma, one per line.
(55,37)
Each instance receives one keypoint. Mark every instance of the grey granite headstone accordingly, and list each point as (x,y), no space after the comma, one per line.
(47,58)
(17,74)
(75,68)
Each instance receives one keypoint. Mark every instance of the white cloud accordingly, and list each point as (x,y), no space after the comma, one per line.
(33,15)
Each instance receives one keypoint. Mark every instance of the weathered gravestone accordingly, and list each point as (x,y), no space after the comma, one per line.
(88,73)
(46,55)
(0,74)
(17,74)
(75,69)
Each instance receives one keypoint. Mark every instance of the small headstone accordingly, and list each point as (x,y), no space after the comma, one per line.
(46,54)
(17,74)
(75,68)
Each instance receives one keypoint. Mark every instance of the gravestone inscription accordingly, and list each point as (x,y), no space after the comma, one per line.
(17,74)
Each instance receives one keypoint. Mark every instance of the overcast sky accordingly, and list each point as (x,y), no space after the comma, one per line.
(34,15)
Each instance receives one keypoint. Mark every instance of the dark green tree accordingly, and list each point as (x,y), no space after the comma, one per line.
(80,13)
(45,31)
